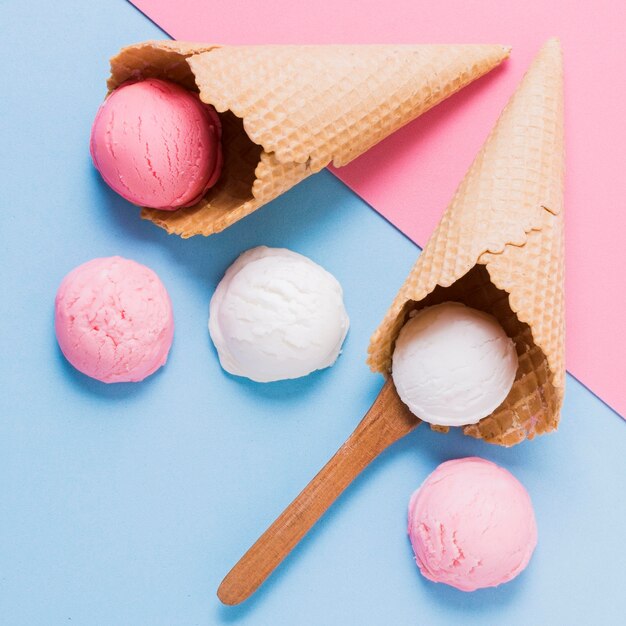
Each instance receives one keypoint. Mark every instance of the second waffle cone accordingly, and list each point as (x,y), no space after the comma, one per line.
(499,248)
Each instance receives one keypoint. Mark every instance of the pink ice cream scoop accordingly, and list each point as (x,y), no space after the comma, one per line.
(157,144)
(472,525)
(114,320)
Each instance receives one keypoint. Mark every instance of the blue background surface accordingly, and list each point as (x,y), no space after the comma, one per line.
(127,504)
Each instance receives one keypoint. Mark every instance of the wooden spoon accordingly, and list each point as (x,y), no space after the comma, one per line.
(387,420)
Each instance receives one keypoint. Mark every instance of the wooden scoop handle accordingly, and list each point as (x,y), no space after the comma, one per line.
(387,420)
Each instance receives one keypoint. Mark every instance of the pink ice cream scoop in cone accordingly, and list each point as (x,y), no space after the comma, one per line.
(156,144)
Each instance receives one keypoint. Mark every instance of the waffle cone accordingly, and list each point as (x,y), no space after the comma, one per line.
(499,248)
(289,111)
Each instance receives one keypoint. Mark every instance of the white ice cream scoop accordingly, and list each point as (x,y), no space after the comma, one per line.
(276,315)
(453,365)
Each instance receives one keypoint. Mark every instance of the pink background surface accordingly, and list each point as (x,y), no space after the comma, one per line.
(411,176)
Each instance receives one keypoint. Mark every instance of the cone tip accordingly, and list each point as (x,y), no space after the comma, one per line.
(551,52)
(554,43)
